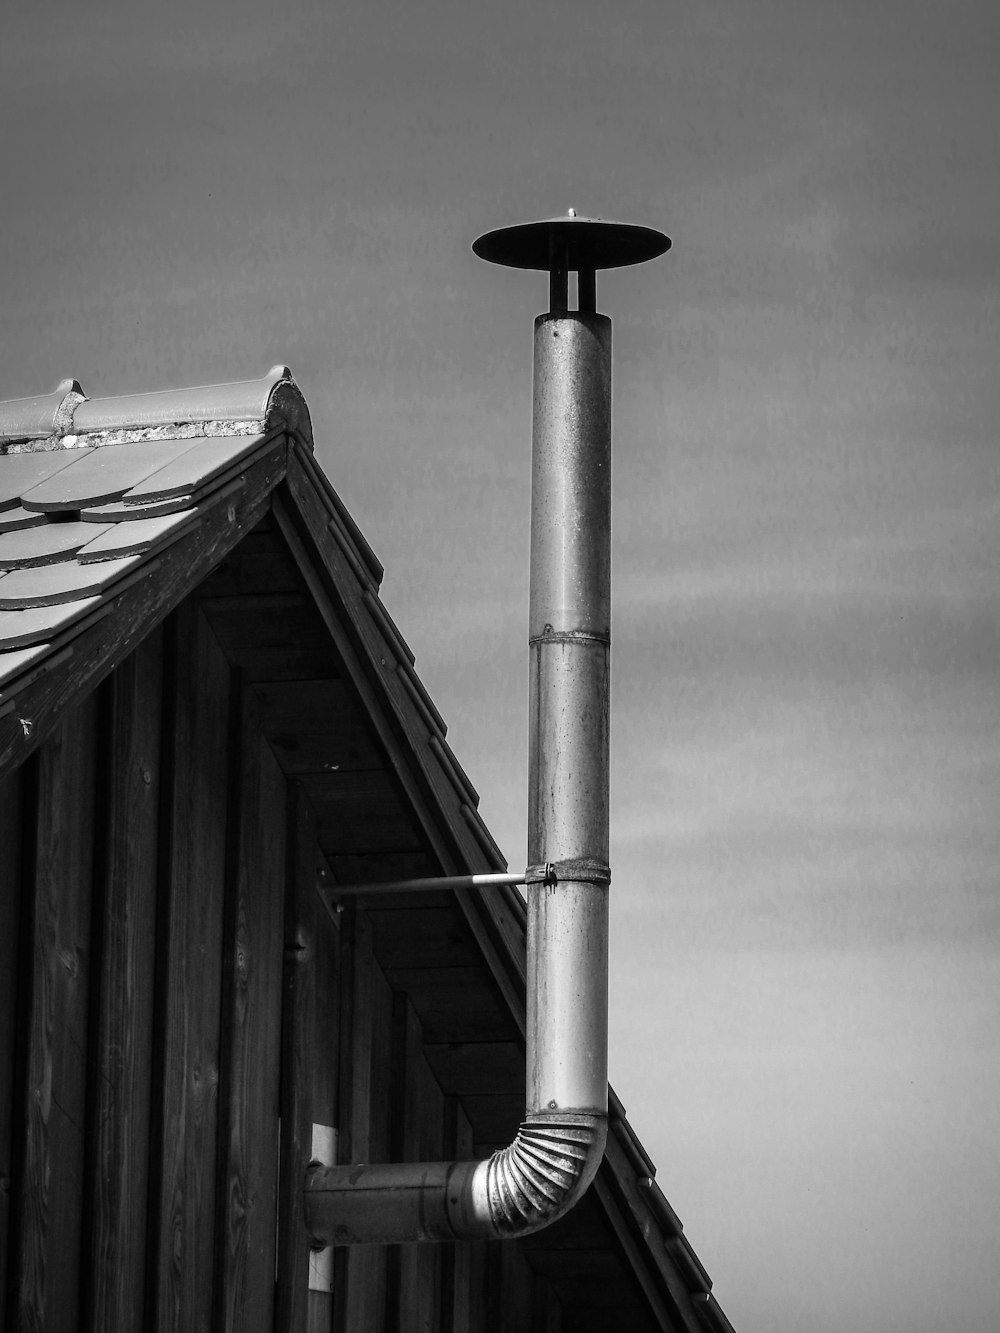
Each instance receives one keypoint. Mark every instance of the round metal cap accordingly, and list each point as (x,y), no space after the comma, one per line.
(590,243)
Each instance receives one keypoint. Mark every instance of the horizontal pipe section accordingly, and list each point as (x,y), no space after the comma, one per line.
(518,1190)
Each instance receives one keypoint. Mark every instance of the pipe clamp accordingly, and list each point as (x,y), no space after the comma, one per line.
(581,871)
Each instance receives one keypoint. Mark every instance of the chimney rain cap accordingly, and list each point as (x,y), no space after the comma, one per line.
(590,243)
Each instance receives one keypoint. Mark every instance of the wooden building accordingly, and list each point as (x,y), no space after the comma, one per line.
(207,721)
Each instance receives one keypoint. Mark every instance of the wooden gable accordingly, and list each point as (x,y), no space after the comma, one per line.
(213,747)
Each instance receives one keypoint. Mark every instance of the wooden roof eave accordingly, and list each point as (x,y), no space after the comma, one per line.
(340,580)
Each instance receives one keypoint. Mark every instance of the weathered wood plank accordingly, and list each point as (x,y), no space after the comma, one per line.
(377,868)
(548,1311)
(368,1117)
(370,663)
(462,1267)
(273,636)
(484,1068)
(361,812)
(315,727)
(311,1063)
(183,1251)
(53,1167)
(251,1029)
(517,1288)
(422,936)
(323,1053)
(259,565)
(11,888)
(115,1278)
(495,1119)
(420,1265)
(455,1004)
(584,1319)
(301,919)
(670,1307)
(584,1228)
(282,620)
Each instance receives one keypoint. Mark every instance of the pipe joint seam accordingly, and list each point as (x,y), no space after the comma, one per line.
(550,635)
(584,870)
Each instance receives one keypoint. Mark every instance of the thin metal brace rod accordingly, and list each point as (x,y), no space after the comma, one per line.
(430,884)
(541,874)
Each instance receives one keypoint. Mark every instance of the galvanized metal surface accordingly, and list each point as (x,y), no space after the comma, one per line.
(571,478)
(569,624)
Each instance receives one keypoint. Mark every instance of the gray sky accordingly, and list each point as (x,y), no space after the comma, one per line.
(806,783)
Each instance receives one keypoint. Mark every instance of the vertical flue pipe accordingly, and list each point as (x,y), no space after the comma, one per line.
(559,1145)
(569,645)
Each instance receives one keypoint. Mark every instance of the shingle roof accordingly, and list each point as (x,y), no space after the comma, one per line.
(91,490)
(97,496)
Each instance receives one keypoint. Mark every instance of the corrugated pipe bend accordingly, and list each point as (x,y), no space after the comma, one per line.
(520,1189)
(544,1171)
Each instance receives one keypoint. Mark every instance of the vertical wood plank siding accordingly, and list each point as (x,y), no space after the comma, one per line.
(251,1028)
(177,1010)
(11,862)
(188,1036)
(116,1272)
(55,1092)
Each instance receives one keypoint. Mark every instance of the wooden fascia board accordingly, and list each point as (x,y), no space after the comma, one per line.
(377,667)
(31,706)
(643,1239)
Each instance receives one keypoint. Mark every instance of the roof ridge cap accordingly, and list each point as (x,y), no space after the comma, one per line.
(40,415)
(57,420)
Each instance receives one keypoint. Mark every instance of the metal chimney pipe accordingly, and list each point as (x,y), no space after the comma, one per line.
(569,637)
(561,1142)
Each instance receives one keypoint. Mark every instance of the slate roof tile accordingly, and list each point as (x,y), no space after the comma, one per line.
(45,543)
(67,581)
(140,537)
(18,660)
(193,470)
(104,474)
(38,625)
(23,472)
(122,511)
(12,520)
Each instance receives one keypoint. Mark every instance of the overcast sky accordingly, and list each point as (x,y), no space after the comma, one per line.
(806,780)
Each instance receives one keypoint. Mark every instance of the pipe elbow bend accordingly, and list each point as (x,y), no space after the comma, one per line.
(545,1171)
(518,1190)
